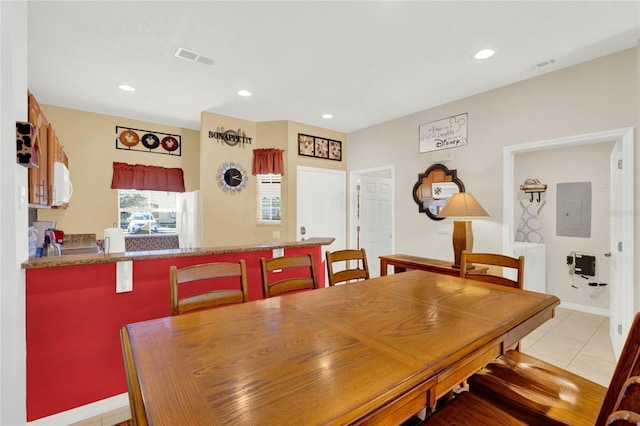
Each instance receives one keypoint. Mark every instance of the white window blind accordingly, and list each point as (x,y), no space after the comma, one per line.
(269,199)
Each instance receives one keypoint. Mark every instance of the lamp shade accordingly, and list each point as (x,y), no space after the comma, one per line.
(463,204)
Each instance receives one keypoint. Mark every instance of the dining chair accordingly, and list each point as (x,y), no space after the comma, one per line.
(527,390)
(492,259)
(298,273)
(136,401)
(216,297)
(349,257)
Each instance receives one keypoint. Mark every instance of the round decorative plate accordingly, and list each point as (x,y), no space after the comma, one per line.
(150,141)
(170,143)
(129,138)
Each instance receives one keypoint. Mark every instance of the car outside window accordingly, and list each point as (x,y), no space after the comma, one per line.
(147,212)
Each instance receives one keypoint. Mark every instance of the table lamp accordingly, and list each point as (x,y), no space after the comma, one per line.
(462,205)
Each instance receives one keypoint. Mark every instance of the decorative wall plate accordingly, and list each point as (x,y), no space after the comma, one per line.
(170,143)
(151,141)
(129,138)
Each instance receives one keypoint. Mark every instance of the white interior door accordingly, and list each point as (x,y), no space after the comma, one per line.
(621,223)
(321,206)
(374,219)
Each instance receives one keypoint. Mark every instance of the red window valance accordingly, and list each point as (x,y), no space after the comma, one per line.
(151,178)
(268,160)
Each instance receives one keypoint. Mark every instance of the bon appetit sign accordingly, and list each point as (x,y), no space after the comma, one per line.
(446,133)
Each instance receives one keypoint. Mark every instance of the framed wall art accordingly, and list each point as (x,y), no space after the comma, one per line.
(322,147)
(306,145)
(148,141)
(449,132)
(335,150)
(314,146)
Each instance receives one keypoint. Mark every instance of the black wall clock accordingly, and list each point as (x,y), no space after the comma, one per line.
(232,177)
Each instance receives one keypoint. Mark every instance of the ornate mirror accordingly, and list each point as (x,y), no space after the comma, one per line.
(434,188)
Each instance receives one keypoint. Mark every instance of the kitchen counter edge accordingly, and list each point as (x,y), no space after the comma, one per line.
(87,259)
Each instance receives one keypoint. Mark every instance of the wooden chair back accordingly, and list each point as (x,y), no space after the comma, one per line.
(136,402)
(622,400)
(307,281)
(208,271)
(356,258)
(493,260)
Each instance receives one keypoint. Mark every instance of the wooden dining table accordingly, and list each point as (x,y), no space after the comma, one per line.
(372,352)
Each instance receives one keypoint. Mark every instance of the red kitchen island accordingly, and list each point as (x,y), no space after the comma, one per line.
(74,314)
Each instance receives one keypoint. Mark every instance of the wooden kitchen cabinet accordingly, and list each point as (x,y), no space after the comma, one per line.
(50,151)
(39,183)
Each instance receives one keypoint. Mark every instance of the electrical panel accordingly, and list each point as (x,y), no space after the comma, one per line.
(573,212)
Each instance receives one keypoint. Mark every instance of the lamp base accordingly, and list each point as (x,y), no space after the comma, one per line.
(462,239)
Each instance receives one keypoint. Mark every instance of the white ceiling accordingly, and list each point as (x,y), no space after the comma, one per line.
(365,62)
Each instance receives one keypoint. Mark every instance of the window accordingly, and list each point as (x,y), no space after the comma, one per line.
(147,212)
(269,206)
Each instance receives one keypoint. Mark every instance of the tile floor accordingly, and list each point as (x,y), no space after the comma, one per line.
(110,418)
(576,341)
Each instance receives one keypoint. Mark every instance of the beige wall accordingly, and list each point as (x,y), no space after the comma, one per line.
(89,141)
(226,219)
(598,95)
(229,219)
(586,163)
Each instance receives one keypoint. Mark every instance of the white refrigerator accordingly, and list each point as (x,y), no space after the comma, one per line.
(188,219)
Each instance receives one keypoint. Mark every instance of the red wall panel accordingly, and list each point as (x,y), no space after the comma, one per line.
(74,317)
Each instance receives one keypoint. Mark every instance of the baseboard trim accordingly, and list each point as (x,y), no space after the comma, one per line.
(584,308)
(84,412)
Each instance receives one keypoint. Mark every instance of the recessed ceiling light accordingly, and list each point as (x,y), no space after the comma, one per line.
(127,88)
(327,116)
(244,93)
(484,54)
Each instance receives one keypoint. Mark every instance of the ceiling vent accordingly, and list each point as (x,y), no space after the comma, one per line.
(190,56)
(543,64)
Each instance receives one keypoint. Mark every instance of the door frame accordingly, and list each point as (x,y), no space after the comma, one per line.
(351,201)
(624,140)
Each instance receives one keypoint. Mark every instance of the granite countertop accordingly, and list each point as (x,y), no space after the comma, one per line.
(86,259)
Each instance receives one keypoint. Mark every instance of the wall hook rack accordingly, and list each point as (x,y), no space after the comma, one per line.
(534,192)
(533,186)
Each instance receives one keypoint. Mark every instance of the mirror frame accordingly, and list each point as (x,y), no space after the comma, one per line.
(426,178)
